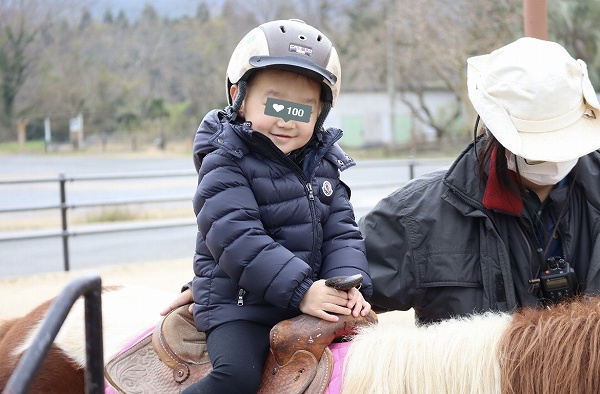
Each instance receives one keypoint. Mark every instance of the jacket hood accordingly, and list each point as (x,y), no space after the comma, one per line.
(213,126)
(209,126)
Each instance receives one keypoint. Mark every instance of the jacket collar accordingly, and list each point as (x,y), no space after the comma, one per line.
(497,198)
(473,192)
(461,178)
(236,138)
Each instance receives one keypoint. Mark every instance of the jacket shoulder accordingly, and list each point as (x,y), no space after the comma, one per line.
(429,184)
(209,126)
(335,153)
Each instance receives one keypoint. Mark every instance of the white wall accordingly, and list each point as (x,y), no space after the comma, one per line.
(374,108)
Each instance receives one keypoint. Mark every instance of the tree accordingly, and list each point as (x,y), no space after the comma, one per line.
(574,24)
(361,45)
(203,12)
(122,21)
(20,42)
(108,17)
(14,69)
(434,41)
(117,66)
(156,112)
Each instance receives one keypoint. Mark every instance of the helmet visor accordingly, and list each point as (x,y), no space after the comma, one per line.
(296,64)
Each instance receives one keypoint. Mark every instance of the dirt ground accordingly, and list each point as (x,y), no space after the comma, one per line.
(19,295)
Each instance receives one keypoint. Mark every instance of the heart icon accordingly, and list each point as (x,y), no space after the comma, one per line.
(278,107)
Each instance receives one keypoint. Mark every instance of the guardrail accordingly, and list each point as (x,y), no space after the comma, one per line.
(65,233)
(64,207)
(28,367)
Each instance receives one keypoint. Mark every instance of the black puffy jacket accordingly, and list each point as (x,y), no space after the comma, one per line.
(433,245)
(266,227)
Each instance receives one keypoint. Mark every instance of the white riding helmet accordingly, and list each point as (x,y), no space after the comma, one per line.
(290,45)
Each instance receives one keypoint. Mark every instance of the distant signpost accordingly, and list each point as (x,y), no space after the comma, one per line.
(76,129)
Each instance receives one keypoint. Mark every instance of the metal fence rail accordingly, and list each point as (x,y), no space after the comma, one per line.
(65,233)
(28,367)
(64,207)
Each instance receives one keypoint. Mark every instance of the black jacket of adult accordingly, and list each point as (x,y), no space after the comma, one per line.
(267,228)
(433,245)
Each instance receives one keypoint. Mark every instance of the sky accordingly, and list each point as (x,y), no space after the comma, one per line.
(133,8)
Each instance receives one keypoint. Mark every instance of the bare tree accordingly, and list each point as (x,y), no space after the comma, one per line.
(72,61)
(434,40)
(574,24)
(14,68)
(21,22)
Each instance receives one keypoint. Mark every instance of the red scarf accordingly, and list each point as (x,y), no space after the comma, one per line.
(495,196)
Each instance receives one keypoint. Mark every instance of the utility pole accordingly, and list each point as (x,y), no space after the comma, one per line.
(535,18)
(388,136)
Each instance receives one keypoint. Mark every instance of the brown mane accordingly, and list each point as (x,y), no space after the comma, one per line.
(549,351)
(553,351)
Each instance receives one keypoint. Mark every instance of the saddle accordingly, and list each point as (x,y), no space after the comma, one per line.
(174,355)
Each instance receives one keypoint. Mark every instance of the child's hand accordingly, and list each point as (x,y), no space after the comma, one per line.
(357,303)
(182,299)
(321,301)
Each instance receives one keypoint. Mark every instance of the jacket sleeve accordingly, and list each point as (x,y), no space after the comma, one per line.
(389,255)
(343,246)
(229,222)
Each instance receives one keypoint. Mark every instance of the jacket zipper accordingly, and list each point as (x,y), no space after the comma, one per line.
(241,294)
(484,210)
(277,154)
(311,196)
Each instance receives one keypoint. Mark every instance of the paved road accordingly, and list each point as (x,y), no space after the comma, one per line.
(370,181)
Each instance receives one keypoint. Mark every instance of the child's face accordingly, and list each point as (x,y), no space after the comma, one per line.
(281,85)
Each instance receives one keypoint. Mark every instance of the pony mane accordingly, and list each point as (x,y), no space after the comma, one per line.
(550,350)
(453,356)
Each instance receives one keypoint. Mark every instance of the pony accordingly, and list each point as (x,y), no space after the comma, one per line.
(127,311)
(552,350)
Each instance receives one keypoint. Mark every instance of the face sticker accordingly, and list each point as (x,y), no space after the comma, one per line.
(288,110)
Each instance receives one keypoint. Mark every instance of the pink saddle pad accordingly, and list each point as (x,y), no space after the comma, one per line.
(338,350)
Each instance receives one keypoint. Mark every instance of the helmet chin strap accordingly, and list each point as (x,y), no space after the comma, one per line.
(233,109)
(322,116)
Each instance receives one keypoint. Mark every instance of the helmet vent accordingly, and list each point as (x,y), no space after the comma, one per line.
(282,28)
(302,37)
(319,38)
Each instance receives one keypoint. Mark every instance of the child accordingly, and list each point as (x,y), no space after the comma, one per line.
(274,218)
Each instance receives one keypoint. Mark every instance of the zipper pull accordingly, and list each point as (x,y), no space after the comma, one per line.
(241,294)
(311,196)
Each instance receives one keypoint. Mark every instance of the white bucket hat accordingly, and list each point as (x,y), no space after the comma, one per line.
(536,100)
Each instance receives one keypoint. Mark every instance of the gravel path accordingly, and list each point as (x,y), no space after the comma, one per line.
(18,295)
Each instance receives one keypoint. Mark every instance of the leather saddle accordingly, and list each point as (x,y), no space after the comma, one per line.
(174,356)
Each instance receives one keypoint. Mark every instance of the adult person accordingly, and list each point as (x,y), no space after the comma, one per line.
(515,220)
(274,218)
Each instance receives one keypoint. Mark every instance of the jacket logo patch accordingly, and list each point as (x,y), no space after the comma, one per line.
(327,189)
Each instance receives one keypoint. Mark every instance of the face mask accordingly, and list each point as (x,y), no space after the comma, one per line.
(541,172)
